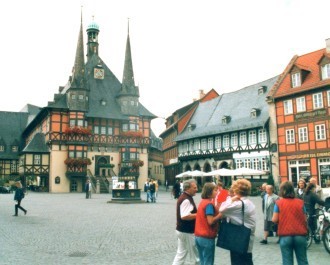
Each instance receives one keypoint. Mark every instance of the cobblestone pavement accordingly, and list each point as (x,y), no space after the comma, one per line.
(68,229)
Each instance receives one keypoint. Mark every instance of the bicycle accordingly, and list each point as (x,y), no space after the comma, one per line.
(322,232)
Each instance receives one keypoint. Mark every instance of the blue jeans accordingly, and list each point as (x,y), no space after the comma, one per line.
(297,244)
(206,249)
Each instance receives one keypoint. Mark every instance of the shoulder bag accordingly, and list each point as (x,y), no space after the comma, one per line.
(233,237)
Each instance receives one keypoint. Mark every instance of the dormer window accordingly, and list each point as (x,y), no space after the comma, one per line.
(2,148)
(262,90)
(103,102)
(191,127)
(225,119)
(296,79)
(254,113)
(325,69)
(14,148)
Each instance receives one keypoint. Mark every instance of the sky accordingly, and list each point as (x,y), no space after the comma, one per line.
(179,47)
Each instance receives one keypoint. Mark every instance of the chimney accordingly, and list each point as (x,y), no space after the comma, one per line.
(327,45)
(202,94)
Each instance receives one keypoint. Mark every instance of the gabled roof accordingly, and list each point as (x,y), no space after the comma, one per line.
(308,62)
(182,112)
(237,105)
(12,125)
(37,145)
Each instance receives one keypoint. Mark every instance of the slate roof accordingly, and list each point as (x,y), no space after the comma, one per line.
(37,145)
(106,90)
(32,111)
(11,127)
(237,105)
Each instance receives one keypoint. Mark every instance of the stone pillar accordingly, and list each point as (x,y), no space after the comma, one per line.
(97,186)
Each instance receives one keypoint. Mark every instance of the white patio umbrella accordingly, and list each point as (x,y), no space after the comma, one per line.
(221,172)
(183,174)
(249,172)
(196,173)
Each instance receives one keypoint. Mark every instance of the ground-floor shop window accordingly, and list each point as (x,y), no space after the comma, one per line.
(299,169)
(324,172)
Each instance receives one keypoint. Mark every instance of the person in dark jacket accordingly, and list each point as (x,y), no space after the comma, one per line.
(310,199)
(19,195)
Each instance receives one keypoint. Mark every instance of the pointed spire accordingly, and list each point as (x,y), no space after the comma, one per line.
(79,63)
(128,83)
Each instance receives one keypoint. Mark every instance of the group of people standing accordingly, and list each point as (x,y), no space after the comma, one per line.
(284,214)
(151,189)
(289,215)
(197,229)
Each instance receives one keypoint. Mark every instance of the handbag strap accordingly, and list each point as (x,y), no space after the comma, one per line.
(242,211)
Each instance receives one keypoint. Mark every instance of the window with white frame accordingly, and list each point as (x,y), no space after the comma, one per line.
(247,163)
(288,107)
(325,71)
(301,105)
(186,147)
(80,123)
(218,142)
(13,166)
(110,131)
(72,123)
(242,138)
(239,163)
(191,145)
(303,134)
(234,139)
(124,127)
(317,101)
(2,148)
(328,95)
(262,136)
(210,143)
(255,163)
(103,130)
(296,79)
(37,159)
(197,144)
(14,148)
(289,136)
(226,141)
(264,164)
(252,137)
(96,130)
(204,144)
(320,132)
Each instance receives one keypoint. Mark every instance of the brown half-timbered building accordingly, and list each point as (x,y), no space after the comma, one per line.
(95,128)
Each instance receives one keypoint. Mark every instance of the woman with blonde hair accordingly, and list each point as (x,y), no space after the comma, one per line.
(232,209)
(206,227)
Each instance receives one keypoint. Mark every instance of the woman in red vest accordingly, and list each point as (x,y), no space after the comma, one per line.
(206,227)
(290,214)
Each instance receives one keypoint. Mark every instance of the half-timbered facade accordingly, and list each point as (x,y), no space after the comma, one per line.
(174,126)
(95,127)
(230,131)
(302,101)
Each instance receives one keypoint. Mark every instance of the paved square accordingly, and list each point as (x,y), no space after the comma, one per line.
(69,229)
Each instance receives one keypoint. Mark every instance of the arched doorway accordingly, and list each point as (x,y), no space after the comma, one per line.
(187,168)
(207,168)
(226,180)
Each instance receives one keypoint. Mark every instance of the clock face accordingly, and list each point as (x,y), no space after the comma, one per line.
(98,73)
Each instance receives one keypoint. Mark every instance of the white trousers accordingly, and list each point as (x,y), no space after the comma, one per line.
(186,249)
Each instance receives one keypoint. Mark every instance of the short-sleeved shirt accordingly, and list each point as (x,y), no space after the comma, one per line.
(185,208)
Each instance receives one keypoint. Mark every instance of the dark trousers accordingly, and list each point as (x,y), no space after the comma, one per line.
(18,206)
(241,259)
